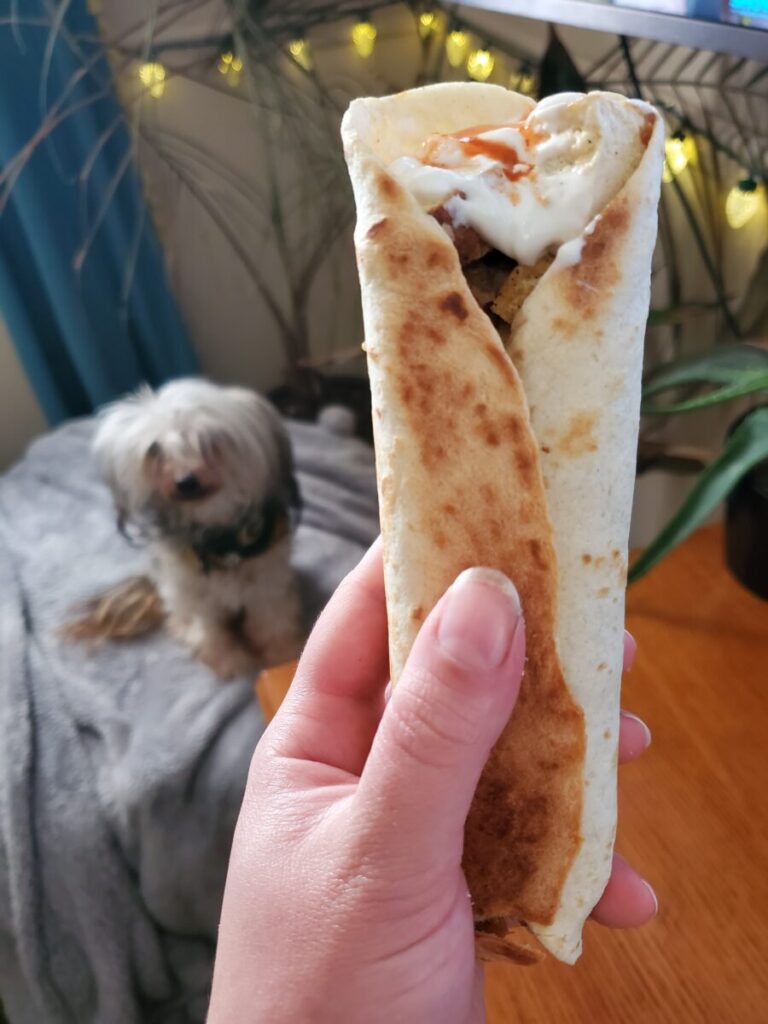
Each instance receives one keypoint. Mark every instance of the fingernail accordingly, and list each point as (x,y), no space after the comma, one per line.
(654,897)
(479,619)
(641,723)
(630,650)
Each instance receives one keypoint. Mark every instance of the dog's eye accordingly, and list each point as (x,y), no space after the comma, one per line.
(153,451)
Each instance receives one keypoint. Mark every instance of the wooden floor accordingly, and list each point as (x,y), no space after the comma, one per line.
(693,818)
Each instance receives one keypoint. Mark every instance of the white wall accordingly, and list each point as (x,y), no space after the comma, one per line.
(21,418)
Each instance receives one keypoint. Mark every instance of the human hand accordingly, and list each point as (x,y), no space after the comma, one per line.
(345,900)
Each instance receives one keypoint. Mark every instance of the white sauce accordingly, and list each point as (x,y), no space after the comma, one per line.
(578,161)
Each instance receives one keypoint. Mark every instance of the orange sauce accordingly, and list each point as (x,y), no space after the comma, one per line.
(472,144)
(649,122)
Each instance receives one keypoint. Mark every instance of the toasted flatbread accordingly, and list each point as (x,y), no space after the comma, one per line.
(518,458)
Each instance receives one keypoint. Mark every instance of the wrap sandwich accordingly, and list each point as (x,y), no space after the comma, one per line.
(504,251)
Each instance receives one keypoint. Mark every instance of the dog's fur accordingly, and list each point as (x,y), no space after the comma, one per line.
(194,467)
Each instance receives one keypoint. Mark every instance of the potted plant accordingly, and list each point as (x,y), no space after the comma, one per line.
(739,473)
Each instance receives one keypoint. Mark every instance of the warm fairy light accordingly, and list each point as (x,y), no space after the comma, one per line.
(301,53)
(523,81)
(152,75)
(230,66)
(456,47)
(743,202)
(364,37)
(480,65)
(427,23)
(680,150)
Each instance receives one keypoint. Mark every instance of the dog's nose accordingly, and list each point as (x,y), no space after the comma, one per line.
(189,486)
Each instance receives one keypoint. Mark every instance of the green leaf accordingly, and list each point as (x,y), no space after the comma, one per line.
(745,447)
(739,369)
(749,382)
(683,313)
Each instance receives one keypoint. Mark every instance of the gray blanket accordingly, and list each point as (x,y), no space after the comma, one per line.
(121,771)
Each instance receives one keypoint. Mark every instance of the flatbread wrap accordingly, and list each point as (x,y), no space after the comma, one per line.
(504,251)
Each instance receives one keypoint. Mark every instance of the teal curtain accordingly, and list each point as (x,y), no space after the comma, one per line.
(83,287)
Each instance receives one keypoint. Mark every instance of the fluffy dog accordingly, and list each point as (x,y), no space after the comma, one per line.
(204,474)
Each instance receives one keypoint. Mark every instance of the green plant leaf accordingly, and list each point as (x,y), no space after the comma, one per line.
(745,447)
(749,382)
(683,313)
(739,369)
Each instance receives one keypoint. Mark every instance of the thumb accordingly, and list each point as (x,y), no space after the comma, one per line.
(453,699)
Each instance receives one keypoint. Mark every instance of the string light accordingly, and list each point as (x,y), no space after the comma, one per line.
(480,65)
(743,202)
(364,38)
(152,76)
(301,53)
(230,66)
(456,47)
(428,22)
(523,81)
(679,150)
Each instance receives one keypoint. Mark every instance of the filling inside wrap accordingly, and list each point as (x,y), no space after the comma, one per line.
(516,198)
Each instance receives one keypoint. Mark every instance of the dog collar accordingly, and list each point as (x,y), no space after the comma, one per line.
(220,548)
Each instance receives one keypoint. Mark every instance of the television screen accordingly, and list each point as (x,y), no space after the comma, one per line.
(752,13)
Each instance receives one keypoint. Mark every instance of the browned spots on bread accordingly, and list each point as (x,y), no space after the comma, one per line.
(525,463)
(398,260)
(537,554)
(439,259)
(646,129)
(586,559)
(389,186)
(434,453)
(376,229)
(501,360)
(603,591)
(615,554)
(481,503)
(602,666)
(517,355)
(566,328)
(607,734)
(454,303)
(589,281)
(579,437)
(513,427)
(417,614)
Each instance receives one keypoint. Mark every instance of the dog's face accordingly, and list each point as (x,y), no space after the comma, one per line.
(193,455)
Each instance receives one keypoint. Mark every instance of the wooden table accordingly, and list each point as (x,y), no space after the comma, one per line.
(693,818)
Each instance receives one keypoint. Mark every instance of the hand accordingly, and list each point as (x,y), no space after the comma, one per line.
(345,900)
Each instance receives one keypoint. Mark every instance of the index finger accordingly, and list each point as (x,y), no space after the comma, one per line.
(335,702)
